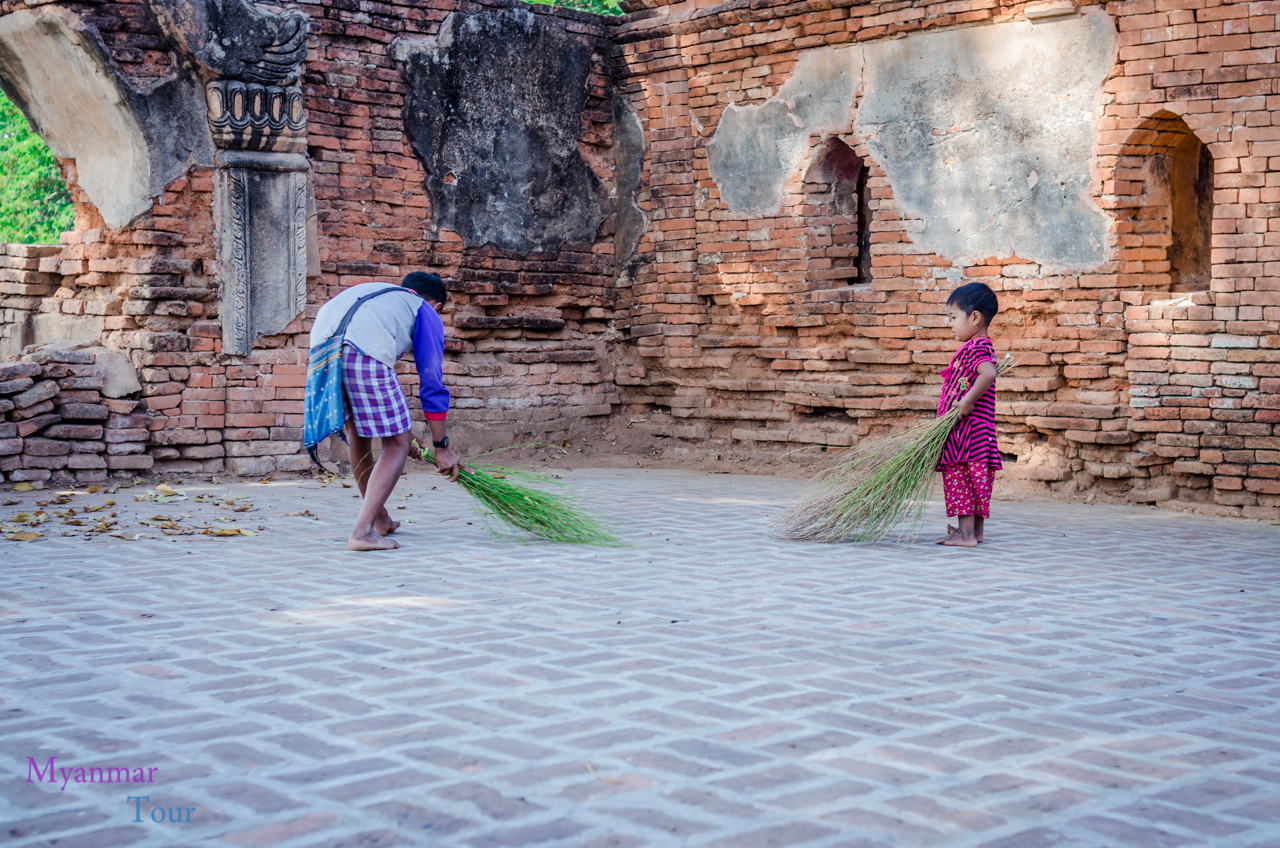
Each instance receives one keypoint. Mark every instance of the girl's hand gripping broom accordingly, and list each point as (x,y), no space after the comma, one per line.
(871,489)
(522,508)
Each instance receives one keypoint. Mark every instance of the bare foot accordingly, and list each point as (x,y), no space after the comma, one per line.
(959,542)
(371,542)
(955,531)
(952,533)
(384,525)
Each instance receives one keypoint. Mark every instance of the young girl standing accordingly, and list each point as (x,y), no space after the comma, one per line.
(970,458)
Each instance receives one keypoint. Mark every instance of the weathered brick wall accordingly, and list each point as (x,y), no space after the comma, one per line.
(743,327)
(525,331)
(762,330)
(526,350)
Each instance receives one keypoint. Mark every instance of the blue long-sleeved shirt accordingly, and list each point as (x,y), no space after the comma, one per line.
(428,357)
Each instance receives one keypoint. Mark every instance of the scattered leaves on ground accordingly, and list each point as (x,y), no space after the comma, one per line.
(25,536)
(163,493)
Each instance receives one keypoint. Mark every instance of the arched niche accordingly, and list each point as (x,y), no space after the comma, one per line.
(1166,222)
(841,173)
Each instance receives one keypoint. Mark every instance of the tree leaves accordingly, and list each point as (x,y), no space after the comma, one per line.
(35,206)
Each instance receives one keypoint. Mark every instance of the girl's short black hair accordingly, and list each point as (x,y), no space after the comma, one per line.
(975,297)
(430,286)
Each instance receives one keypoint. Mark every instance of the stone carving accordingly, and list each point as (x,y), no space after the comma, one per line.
(249,116)
(261,203)
(237,39)
(251,59)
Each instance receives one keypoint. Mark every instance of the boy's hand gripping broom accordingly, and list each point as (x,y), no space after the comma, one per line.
(523,508)
(874,488)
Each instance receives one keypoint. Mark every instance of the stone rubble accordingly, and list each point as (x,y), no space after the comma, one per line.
(57,427)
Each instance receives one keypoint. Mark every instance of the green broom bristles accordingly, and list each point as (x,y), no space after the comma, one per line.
(534,511)
(871,489)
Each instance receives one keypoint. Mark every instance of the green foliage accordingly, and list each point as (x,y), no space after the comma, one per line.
(35,207)
(598,7)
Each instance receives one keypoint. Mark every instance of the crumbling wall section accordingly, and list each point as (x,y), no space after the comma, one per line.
(526,320)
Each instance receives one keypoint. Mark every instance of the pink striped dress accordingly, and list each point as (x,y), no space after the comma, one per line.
(974,438)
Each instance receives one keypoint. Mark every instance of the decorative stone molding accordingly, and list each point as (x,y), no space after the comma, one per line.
(249,116)
(251,59)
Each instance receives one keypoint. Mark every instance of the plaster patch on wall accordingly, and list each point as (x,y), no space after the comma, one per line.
(985,133)
(757,148)
(628,157)
(54,72)
(494,108)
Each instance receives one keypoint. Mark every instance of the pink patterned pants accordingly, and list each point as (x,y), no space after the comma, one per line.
(967,486)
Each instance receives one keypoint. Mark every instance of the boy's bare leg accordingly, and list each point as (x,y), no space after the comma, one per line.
(362,463)
(964,537)
(379,485)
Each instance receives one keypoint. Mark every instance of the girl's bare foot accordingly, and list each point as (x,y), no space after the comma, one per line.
(959,542)
(371,542)
(384,525)
(955,531)
(952,533)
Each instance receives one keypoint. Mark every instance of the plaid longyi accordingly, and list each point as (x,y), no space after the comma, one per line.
(373,395)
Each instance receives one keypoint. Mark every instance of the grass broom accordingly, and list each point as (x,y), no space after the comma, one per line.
(518,507)
(872,489)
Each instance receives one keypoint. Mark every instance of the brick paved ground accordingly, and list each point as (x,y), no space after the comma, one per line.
(1094,676)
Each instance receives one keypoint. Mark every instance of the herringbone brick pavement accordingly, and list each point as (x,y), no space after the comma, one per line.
(1091,676)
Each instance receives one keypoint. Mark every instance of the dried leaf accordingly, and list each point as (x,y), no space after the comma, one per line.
(26,536)
(227,531)
(305,512)
(130,537)
(162,493)
(23,487)
(11,502)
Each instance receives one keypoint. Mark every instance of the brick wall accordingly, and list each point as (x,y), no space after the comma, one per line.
(760,331)
(746,328)
(526,349)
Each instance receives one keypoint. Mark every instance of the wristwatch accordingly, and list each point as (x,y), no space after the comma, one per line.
(443,443)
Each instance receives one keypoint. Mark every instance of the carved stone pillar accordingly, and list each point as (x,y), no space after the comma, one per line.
(251,58)
(261,201)
(260,198)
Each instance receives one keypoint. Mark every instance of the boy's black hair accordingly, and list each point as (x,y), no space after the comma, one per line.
(430,286)
(975,297)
